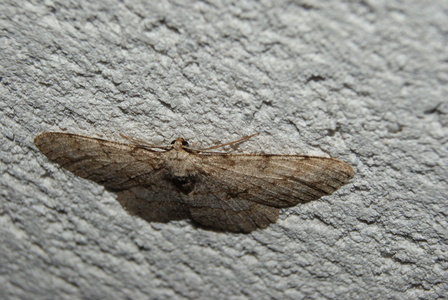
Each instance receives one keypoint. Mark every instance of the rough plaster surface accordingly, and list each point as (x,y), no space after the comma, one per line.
(363,81)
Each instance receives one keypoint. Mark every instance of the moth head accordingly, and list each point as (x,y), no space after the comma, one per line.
(179,143)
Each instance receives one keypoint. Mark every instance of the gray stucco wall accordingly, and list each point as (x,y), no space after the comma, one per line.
(365,82)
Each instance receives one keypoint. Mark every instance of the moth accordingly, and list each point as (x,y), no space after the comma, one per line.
(223,191)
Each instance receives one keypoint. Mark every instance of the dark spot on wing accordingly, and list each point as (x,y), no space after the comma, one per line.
(184,184)
(264,163)
(229,161)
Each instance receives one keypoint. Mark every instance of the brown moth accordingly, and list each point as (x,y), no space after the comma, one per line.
(229,192)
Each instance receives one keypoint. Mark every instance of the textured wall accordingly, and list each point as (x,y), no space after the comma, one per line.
(363,82)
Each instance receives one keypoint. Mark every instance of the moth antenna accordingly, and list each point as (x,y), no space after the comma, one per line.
(143,143)
(134,139)
(234,142)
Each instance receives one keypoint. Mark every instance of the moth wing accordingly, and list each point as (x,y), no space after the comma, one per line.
(211,205)
(158,204)
(115,165)
(276,180)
